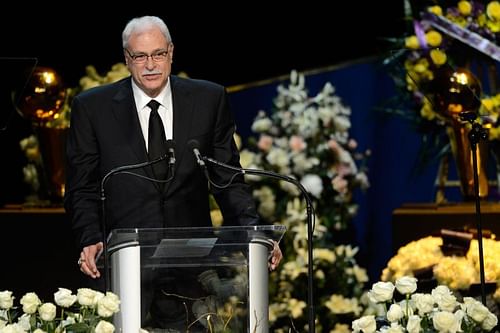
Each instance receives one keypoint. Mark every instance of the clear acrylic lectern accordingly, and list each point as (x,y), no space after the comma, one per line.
(219,276)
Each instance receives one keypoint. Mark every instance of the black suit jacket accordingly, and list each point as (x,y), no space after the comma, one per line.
(105,133)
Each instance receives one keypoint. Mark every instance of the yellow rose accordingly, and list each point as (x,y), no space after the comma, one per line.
(438,57)
(433,38)
(493,10)
(465,8)
(435,10)
(421,66)
(494,26)
(412,43)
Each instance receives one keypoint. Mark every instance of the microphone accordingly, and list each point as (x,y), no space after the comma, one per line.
(194,146)
(170,144)
(310,220)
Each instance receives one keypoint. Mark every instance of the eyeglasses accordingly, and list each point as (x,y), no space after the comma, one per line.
(141,58)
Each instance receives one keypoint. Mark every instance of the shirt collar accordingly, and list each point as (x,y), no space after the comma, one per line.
(141,99)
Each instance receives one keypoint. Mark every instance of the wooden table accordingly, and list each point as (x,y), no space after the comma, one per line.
(414,221)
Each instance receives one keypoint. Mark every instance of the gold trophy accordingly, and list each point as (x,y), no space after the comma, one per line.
(457,92)
(41,102)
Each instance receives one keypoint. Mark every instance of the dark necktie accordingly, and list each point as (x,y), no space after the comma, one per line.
(157,141)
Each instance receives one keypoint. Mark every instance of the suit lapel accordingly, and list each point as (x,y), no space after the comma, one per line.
(127,120)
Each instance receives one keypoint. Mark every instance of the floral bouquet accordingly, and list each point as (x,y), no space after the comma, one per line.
(456,272)
(87,311)
(439,311)
(307,138)
(461,36)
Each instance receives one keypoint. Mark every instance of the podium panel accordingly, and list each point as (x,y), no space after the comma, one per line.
(192,279)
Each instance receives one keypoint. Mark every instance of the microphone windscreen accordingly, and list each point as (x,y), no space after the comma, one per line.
(170,144)
(192,144)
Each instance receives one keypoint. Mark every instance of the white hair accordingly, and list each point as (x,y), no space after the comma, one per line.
(140,24)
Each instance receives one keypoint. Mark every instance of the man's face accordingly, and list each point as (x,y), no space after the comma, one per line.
(149,58)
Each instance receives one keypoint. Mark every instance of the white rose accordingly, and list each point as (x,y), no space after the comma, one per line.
(85,296)
(24,322)
(39,330)
(13,328)
(445,321)
(394,328)
(381,292)
(413,325)
(313,184)
(444,298)
(366,324)
(30,303)
(104,327)
(489,322)
(423,302)
(261,125)
(476,310)
(395,313)
(88,297)
(406,285)
(108,305)
(447,303)
(6,299)
(64,298)
(47,311)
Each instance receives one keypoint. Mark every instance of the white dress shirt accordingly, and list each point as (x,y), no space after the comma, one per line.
(165,110)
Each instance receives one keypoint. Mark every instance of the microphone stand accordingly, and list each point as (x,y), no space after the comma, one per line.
(476,134)
(310,225)
(125,169)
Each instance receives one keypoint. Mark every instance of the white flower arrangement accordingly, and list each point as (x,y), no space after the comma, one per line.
(87,311)
(439,311)
(306,137)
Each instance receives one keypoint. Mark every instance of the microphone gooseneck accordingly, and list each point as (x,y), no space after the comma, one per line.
(310,222)
(126,169)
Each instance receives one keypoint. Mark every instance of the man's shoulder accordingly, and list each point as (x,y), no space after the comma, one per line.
(196,84)
(109,89)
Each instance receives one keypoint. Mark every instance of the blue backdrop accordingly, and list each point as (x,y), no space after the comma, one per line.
(364,86)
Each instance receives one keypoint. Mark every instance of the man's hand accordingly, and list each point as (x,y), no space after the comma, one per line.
(87,260)
(276,256)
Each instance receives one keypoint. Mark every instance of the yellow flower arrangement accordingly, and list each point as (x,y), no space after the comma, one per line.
(427,50)
(456,272)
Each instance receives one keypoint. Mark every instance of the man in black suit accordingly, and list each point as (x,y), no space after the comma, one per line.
(110,128)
